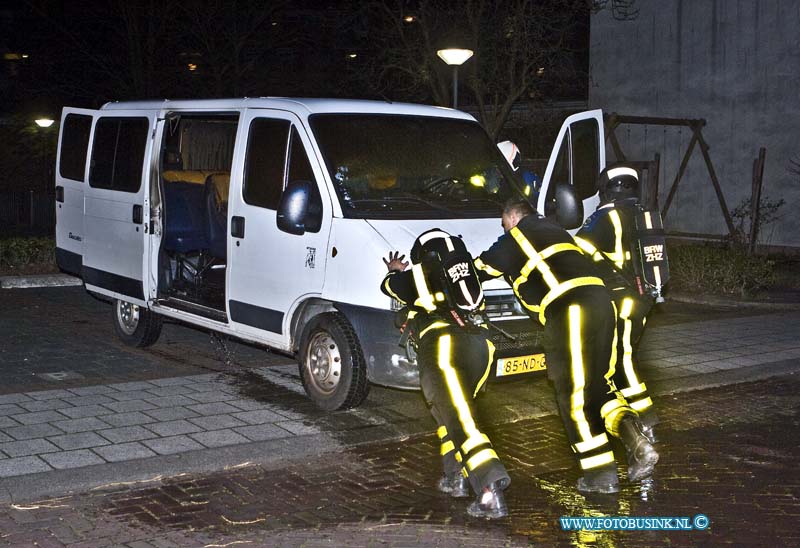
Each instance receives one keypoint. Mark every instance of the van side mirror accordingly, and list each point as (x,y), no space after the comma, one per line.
(293,207)
(569,208)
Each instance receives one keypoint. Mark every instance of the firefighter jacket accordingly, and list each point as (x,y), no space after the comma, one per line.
(402,286)
(606,237)
(540,261)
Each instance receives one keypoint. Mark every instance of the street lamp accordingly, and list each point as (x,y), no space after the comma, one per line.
(45,122)
(455,57)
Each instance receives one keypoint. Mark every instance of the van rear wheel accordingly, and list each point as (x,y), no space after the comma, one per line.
(135,325)
(332,364)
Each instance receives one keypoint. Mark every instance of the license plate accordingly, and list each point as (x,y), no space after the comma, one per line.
(520,364)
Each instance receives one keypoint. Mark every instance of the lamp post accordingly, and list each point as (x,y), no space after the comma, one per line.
(44,124)
(455,58)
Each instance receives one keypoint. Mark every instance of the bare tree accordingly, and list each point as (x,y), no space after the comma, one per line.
(520,47)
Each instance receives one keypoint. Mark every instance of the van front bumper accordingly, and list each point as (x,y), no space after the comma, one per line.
(388,363)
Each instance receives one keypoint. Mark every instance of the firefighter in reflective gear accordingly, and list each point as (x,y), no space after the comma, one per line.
(455,358)
(555,282)
(606,237)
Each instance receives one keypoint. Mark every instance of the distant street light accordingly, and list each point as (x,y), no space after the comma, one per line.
(455,58)
(45,122)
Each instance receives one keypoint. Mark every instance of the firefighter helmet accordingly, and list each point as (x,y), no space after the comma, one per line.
(618,182)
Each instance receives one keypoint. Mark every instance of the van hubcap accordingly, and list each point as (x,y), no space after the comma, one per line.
(128,315)
(324,362)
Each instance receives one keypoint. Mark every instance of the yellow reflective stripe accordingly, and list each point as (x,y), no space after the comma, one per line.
(474,442)
(441,432)
(481,457)
(633,390)
(523,242)
(447,447)
(558,248)
(454,388)
(578,378)
(609,406)
(614,417)
(439,296)
(388,289)
(641,404)
(612,362)
(585,245)
(531,307)
(562,288)
(425,299)
(488,368)
(480,265)
(594,443)
(619,255)
(434,325)
(657,274)
(627,347)
(627,308)
(458,456)
(599,460)
(648,222)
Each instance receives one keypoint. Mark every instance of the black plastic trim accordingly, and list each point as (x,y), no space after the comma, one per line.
(256,316)
(113,282)
(69,261)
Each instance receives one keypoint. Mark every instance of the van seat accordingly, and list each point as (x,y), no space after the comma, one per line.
(197,177)
(185,217)
(216,200)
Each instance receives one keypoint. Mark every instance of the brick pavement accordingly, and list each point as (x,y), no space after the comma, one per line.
(261,410)
(728,452)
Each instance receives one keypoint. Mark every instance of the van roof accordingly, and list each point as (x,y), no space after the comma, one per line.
(310,106)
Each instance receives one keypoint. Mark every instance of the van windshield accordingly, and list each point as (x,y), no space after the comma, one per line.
(400,166)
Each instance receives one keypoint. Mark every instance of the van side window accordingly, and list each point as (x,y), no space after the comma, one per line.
(74,146)
(585,161)
(265,164)
(118,153)
(300,170)
(561,175)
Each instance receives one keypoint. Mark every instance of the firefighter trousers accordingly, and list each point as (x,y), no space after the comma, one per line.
(631,317)
(580,352)
(453,366)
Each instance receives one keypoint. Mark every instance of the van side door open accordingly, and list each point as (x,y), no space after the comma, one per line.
(578,156)
(271,271)
(116,200)
(71,167)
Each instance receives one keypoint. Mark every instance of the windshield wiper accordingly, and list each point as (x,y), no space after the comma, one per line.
(402,199)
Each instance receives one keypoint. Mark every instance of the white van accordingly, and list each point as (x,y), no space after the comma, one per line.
(266,219)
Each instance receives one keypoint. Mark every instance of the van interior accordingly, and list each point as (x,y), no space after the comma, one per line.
(197,153)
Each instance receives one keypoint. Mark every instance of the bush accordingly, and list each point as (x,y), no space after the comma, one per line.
(21,252)
(720,270)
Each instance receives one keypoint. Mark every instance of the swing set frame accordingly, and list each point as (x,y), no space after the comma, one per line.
(614,120)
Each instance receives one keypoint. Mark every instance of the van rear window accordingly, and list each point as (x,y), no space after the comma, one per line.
(118,153)
(74,146)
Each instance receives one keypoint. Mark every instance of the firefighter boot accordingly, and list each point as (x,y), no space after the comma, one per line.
(642,456)
(454,484)
(649,420)
(603,481)
(490,503)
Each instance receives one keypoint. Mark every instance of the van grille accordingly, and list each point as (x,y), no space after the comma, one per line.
(504,307)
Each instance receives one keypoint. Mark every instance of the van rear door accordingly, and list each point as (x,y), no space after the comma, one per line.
(116,200)
(73,151)
(578,156)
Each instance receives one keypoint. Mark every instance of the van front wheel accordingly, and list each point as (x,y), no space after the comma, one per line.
(332,363)
(135,325)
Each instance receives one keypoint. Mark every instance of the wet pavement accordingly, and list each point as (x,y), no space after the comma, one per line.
(728,452)
(202,441)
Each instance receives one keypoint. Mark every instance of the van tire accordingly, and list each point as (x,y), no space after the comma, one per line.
(135,325)
(340,379)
